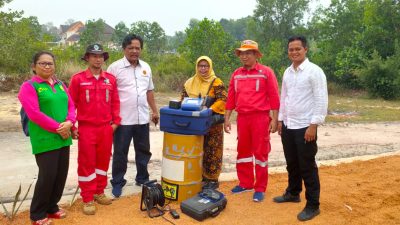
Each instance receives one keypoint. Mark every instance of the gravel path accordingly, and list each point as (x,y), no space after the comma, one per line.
(336,141)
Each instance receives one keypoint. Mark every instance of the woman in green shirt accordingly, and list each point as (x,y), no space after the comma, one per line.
(51,114)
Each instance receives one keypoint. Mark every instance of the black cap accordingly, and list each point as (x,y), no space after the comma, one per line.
(95,49)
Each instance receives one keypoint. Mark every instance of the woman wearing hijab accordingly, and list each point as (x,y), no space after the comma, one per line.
(206,83)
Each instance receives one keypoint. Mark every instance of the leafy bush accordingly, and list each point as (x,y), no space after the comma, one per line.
(208,37)
(381,77)
(275,56)
(347,62)
(19,40)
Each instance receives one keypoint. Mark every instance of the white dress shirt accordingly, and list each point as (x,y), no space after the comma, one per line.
(304,96)
(133,84)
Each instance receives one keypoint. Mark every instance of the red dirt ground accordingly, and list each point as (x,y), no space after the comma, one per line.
(362,192)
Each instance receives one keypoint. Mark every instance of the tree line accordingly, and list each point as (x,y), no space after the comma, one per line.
(356,42)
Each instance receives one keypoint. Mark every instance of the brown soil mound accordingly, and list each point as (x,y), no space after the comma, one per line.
(362,192)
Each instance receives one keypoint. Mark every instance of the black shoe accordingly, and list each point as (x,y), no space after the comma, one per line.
(287,197)
(211,185)
(308,214)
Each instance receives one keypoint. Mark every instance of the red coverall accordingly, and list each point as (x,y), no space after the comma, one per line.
(253,93)
(97,104)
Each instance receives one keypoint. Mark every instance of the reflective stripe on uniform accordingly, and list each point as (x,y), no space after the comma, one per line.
(245,160)
(101,172)
(88,178)
(235,85)
(261,163)
(87,95)
(250,76)
(257,85)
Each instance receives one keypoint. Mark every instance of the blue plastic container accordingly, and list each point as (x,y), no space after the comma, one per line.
(192,104)
(179,121)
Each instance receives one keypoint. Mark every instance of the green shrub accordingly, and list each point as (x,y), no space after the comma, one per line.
(275,56)
(347,62)
(381,77)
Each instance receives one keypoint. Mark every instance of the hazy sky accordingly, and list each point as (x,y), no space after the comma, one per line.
(172,15)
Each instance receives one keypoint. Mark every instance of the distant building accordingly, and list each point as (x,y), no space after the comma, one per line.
(108,32)
(70,34)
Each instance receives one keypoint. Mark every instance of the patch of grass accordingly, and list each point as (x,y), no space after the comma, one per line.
(362,109)
(339,90)
(163,98)
(66,70)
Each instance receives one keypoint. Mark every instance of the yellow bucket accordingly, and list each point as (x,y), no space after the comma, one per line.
(181,173)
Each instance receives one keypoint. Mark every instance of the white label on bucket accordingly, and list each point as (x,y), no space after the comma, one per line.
(173,169)
(196,114)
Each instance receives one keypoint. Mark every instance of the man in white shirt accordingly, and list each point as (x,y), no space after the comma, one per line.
(135,88)
(304,104)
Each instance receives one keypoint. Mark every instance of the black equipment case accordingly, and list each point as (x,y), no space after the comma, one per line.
(208,203)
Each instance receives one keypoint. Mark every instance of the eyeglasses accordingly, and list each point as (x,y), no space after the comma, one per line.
(203,66)
(44,64)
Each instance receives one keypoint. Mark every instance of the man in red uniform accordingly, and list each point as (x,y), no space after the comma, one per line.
(253,93)
(95,95)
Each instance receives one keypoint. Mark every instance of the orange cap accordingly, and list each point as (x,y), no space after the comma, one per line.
(248,45)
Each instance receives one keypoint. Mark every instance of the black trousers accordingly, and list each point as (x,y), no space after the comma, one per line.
(301,165)
(53,171)
(141,141)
